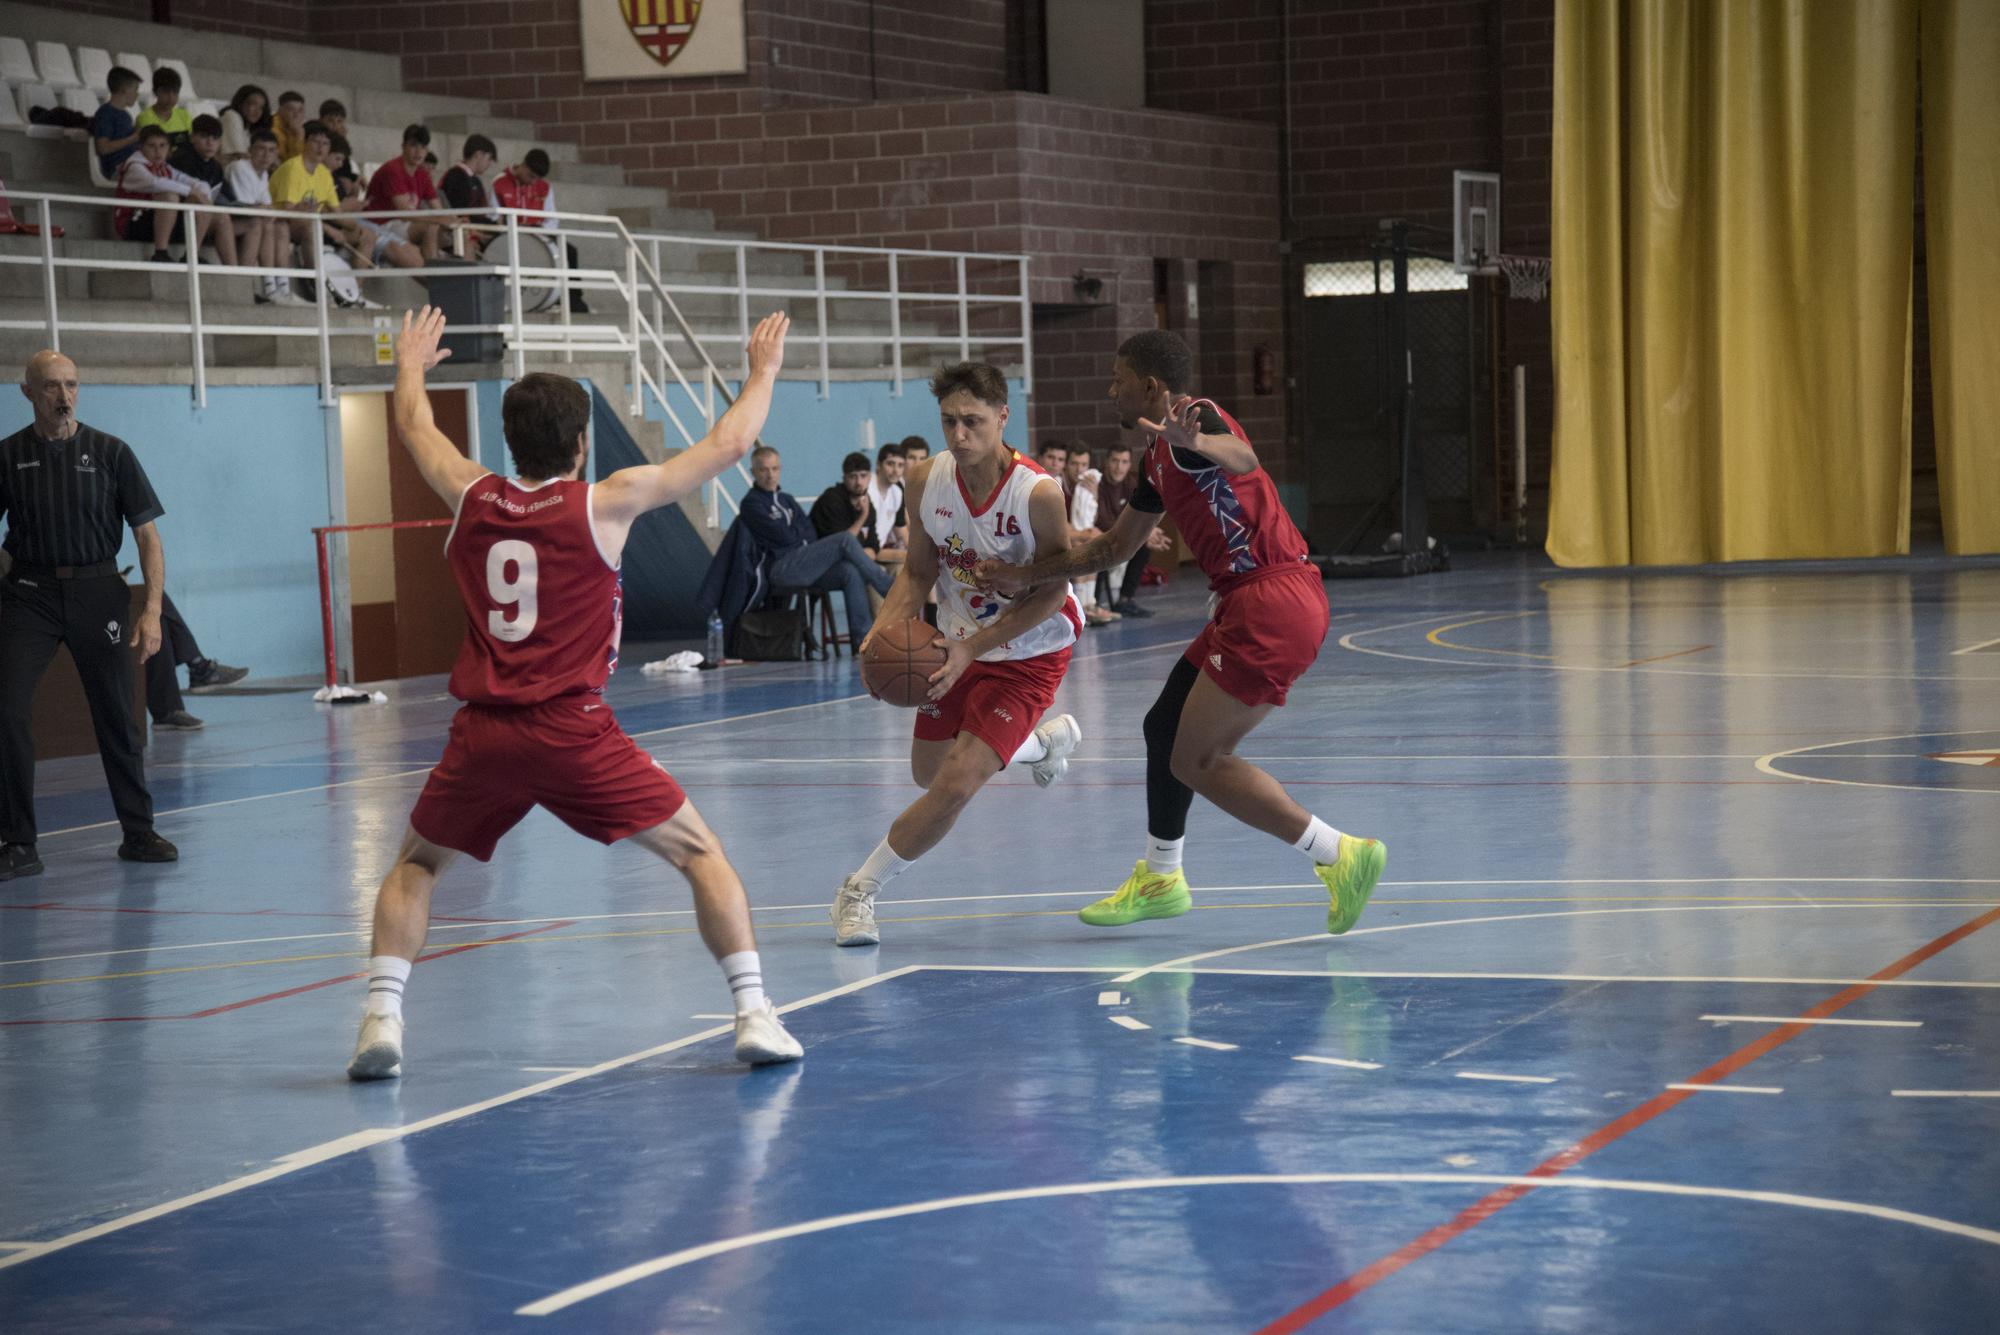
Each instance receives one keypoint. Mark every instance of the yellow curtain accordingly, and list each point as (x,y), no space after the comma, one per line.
(1732,244)
(1962,229)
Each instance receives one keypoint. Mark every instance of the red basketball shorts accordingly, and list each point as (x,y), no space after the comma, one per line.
(569,756)
(1264,635)
(999,703)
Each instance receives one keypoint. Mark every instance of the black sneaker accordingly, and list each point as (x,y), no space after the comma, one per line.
(1128,608)
(18,860)
(178,721)
(209,673)
(147,847)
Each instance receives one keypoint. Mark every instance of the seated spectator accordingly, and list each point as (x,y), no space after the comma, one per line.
(525,185)
(197,159)
(113,133)
(163,687)
(915,450)
(248,112)
(843,507)
(888,533)
(1119,585)
(303,184)
(147,176)
(290,125)
(464,188)
(167,111)
(262,242)
(797,559)
(333,115)
(404,184)
(340,159)
(1080,482)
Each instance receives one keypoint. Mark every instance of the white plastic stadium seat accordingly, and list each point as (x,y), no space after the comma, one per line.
(140,66)
(78,99)
(38,95)
(16,65)
(187,80)
(97,176)
(10,115)
(93,66)
(58,71)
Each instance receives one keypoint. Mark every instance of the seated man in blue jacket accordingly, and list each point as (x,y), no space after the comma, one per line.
(799,558)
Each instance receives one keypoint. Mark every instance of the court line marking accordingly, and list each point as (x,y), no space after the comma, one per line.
(365,1139)
(1767,764)
(548,1069)
(1511,1079)
(1945,1093)
(1127,1022)
(569,1297)
(1551,1168)
(1348,1062)
(1495,976)
(1208,1043)
(1974,648)
(1800,1019)
(1437,636)
(1110,998)
(1727,1089)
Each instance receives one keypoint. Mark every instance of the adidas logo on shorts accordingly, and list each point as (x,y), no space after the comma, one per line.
(1215,660)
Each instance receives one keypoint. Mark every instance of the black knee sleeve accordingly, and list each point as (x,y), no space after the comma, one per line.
(1167,798)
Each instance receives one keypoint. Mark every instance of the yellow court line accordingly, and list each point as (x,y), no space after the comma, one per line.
(1436,637)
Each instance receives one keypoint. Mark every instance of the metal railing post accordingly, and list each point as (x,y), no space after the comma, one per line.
(708,375)
(561,250)
(895,328)
(514,293)
(659,319)
(49,275)
(194,308)
(819,297)
(319,302)
(742,307)
(964,315)
(1027,333)
(632,321)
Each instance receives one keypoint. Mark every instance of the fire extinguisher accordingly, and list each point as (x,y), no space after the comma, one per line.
(1263,370)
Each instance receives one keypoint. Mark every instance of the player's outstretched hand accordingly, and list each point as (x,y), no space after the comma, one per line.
(767,343)
(417,344)
(1183,423)
(957,658)
(1000,577)
(1158,541)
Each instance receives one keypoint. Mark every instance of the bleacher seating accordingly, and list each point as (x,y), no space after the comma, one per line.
(93,66)
(57,70)
(17,66)
(30,95)
(139,65)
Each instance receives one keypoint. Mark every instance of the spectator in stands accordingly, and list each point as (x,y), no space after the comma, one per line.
(167,111)
(1052,456)
(333,115)
(889,528)
(163,686)
(290,125)
(1116,586)
(464,188)
(367,244)
(843,507)
(525,185)
(262,242)
(248,112)
(915,450)
(197,159)
(798,559)
(113,133)
(148,176)
(302,183)
(404,184)
(346,179)
(1080,482)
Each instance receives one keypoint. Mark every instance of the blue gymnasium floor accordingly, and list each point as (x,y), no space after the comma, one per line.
(1635,824)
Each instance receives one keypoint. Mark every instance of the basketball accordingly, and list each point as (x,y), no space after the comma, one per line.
(900,660)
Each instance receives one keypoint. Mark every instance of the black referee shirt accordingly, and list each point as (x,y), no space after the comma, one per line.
(67,502)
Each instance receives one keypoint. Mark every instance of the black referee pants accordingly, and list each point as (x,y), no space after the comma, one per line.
(92,617)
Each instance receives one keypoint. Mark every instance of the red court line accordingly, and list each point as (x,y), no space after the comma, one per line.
(1363,1280)
(293,991)
(53,907)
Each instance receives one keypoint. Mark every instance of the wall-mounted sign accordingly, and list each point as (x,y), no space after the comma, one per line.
(661,39)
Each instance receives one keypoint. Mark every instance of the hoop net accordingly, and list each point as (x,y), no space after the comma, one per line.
(1527,276)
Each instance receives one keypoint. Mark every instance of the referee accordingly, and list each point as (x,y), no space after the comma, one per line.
(66,492)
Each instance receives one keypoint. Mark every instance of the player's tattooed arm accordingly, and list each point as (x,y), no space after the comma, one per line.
(1117,543)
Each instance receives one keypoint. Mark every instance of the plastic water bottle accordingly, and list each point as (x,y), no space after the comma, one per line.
(714,658)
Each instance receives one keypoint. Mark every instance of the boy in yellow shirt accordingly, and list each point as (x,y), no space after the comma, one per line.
(166,111)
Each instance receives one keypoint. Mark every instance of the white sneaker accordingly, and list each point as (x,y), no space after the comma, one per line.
(761,1039)
(1061,735)
(378,1053)
(854,916)
(282,295)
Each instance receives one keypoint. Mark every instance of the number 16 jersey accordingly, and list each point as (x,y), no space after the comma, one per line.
(542,603)
(966,531)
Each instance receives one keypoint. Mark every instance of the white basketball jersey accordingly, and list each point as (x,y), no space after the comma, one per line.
(966,533)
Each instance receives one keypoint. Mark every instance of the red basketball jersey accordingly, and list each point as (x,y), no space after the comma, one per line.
(1234,524)
(541,601)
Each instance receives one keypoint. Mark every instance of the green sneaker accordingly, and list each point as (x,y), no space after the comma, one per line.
(1145,894)
(1351,879)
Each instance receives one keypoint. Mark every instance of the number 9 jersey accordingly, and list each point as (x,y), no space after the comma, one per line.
(541,601)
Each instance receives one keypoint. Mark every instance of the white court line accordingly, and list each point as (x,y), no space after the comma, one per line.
(1974,648)
(1482,976)
(1509,1079)
(360,1140)
(715,1016)
(1729,1089)
(1338,1061)
(569,1297)
(1945,1093)
(14,1246)
(1210,1044)
(553,1069)
(1127,1022)
(1799,1019)
(1768,764)
(1110,998)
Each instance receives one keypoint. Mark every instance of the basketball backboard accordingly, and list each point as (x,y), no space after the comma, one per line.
(1475,221)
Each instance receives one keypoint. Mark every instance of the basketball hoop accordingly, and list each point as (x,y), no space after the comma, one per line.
(1527,276)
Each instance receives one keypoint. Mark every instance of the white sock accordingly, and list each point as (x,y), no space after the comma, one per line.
(1320,842)
(1032,750)
(745,973)
(1163,856)
(881,866)
(386,976)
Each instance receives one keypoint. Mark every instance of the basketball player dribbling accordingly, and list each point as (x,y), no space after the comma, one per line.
(1005,654)
(536,559)
(1269,620)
